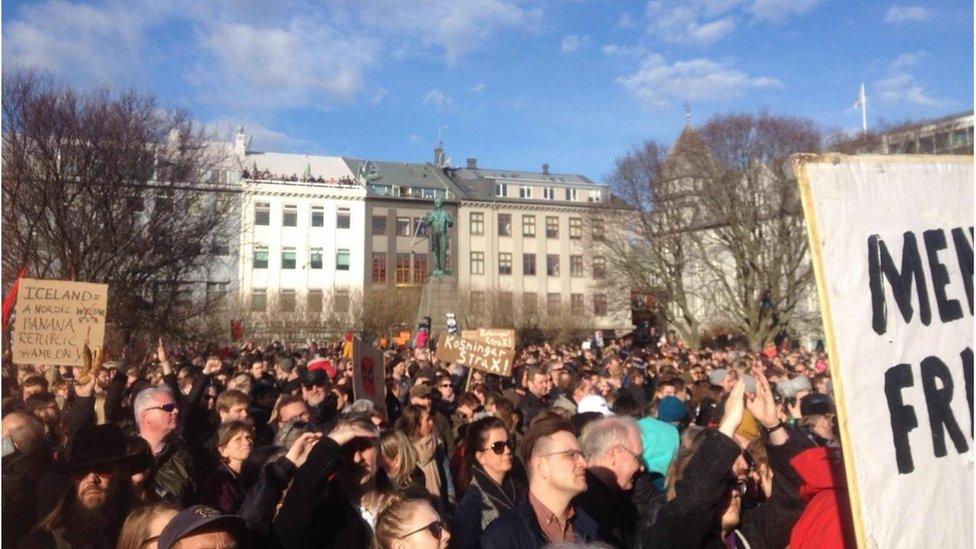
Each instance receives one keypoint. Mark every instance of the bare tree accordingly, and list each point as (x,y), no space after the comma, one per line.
(110,188)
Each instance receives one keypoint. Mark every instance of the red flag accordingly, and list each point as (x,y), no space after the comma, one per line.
(11,299)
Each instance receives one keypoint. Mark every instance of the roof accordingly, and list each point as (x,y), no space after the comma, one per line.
(287,165)
(402,174)
(479,184)
(685,149)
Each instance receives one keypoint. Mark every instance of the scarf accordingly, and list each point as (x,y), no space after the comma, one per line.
(426,448)
(496,498)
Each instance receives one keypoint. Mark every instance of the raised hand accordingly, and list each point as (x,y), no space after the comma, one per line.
(734,408)
(762,405)
(302,446)
(344,433)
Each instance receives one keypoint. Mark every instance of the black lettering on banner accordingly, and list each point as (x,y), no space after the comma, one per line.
(880,262)
(935,241)
(967,372)
(964,254)
(938,403)
(903,418)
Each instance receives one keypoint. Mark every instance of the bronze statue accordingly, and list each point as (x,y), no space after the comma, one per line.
(439,223)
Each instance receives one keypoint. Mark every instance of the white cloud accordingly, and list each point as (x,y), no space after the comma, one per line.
(263,138)
(414,139)
(624,51)
(658,84)
(479,87)
(900,86)
(776,11)
(438,99)
(572,43)
(626,21)
(904,14)
(686,22)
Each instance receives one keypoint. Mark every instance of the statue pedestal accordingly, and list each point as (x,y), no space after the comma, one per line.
(439,297)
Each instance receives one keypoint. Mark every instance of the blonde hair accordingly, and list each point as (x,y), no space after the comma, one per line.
(135,530)
(391,521)
(396,446)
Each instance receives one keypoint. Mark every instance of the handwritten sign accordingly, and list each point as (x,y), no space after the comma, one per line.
(477,354)
(55,317)
(500,337)
(369,375)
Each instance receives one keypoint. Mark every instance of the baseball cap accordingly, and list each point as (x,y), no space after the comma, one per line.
(671,409)
(196,518)
(816,404)
(717,376)
(593,403)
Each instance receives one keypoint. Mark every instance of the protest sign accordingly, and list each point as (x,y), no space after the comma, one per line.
(369,375)
(891,239)
(475,354)
(55,318)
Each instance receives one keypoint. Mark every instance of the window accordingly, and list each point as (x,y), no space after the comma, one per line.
(575,228)
(259,300)
(552,227)
(419,268)
(504,263)
(477,223)
(528,264)
(477,263)
(315,258)
(216,290)
(379,268)
(530,303)
(262,213)
(525,191)
(288,258)
(342,218)
(552,265)
(289,217)
(314,301)
(528,226)
(501,189)
(287,301)
(600,305)
(219,247)
(379,225)
(576,266)
(403,226)
(342,260)
(341,302)
(576,304)
(504,224)
(477,301)
(594,196)
(403,268)
(599,267)
(598,229)
(420,229)
(318,216)
(549,193)
(552,303)
(260,257)
(572,194)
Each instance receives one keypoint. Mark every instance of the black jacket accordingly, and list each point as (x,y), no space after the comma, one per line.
(316,513)
(260,502)
(519,529)
(172,472)
(769,525)
(530,406)
(613,511)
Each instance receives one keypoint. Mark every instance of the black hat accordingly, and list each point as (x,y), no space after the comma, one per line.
(195,518)
(315,377)
(816,404)
(97,445)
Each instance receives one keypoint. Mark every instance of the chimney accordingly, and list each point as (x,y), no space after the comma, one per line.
(472,163)
(439,158)
(545,169)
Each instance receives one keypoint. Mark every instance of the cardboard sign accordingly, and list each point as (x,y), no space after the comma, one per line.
(891,238)
(476,354)
(500,337)
(55,317)
(369,375)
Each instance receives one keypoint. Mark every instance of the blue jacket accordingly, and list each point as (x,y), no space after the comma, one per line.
(519,528)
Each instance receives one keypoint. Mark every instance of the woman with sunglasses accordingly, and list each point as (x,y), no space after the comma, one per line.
(493,490)
(410,524)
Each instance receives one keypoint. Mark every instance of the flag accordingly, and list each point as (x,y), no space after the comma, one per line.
(11,299)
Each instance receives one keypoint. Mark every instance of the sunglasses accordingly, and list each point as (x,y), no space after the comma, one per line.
(738,485)
(436,528)
(168,407)
(99,469)
(498,447)
(444,385)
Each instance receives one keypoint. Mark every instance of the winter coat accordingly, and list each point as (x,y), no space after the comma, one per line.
(483,502)
(222,490)
(261,501)
(519,528)
(530,406)
(172,472)
(613,511)
(825,523)
(566,403)
(316,512)
(32,486)
(769,524)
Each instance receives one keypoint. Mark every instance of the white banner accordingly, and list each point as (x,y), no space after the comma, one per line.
(891,238)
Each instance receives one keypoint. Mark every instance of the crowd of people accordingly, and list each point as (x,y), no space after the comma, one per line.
(605,446)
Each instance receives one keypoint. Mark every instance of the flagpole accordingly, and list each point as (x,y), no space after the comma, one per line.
(864,110)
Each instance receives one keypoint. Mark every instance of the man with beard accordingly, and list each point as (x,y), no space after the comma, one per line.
(91,512)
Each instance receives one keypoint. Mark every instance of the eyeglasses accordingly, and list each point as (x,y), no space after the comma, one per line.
(637,456)
(499,446)
(444,385)
(169,407)
(436,528)
(738,485)
(573,454)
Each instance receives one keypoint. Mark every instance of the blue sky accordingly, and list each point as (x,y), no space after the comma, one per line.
(514,83)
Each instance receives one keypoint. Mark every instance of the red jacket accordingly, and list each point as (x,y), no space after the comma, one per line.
(826,521)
